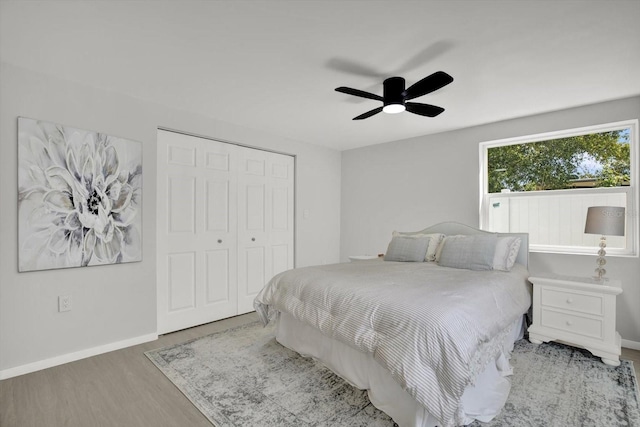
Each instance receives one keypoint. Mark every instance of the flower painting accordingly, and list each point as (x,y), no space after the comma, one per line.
(79,197)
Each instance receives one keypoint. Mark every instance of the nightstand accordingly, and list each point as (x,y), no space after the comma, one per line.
(579,312)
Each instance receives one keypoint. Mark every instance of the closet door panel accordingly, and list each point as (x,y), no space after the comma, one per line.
(217,206)
(182,281)
(255,257)
(252,221)
(196,216)
(219,288)
(280,258)
(281,232)
(255,208)
(181,204)
(265,232)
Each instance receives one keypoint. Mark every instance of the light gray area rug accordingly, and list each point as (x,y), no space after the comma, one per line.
(242,378)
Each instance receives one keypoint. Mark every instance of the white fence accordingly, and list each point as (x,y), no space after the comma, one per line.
(555,220)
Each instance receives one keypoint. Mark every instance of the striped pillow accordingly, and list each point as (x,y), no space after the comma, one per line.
(468,252)
(434,243)
(407,249)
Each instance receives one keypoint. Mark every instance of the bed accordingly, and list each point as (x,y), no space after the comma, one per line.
(427,331)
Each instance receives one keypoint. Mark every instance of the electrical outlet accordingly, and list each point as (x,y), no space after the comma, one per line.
(64,303)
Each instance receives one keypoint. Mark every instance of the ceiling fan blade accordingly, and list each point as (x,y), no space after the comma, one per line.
(368,114)
(427,85)
(361,93)
(423,109)
(424,56)
(352,67)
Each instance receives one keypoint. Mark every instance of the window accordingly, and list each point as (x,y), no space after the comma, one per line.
(543,184)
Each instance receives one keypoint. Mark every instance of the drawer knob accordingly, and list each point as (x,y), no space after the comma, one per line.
(569,323)
(219,240)
(569,300)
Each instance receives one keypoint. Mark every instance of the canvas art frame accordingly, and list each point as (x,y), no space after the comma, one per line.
(79,197)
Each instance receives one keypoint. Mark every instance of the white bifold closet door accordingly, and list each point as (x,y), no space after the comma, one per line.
(225,227)
(265,221)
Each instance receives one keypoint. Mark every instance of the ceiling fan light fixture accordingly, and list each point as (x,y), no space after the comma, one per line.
(393,95)
(393,108)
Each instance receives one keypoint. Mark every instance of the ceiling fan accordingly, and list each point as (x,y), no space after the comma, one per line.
(395,96)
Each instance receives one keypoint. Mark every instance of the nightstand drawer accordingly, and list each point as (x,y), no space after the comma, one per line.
(591,304)
(574,324)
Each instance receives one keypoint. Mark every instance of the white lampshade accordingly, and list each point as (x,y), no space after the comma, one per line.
(605,221)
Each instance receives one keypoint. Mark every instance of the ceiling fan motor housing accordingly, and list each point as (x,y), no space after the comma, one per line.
(394,91)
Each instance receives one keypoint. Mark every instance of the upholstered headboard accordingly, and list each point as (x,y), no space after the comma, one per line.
(453,228)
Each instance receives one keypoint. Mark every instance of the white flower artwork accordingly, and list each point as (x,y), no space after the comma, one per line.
(79,197)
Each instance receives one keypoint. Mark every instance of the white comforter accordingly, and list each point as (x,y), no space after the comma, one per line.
(433,328)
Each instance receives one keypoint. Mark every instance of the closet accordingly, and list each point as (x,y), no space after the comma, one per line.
(224,227)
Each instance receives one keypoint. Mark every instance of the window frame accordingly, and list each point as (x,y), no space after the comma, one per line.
(631,191)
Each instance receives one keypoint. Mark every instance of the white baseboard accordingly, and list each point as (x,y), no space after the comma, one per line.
(633,345)
(71,357)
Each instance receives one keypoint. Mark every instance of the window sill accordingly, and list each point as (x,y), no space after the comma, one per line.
(589,251)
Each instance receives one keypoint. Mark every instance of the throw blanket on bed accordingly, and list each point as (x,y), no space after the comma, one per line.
(434,328)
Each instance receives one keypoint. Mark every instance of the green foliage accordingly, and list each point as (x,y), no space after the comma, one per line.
(556,164)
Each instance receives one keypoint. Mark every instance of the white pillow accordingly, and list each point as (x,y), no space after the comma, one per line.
(506,252)
(434,242)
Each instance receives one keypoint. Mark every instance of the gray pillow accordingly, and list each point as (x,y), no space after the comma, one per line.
(468,252)
(407,249)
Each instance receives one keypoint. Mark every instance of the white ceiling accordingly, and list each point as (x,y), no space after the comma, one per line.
(274,65)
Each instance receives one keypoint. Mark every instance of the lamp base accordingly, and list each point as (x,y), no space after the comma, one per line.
(599,279)
(600,261)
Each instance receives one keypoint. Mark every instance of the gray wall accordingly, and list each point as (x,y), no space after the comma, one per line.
(411,184)
(117,304)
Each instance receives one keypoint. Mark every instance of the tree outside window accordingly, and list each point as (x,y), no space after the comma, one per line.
(593,160)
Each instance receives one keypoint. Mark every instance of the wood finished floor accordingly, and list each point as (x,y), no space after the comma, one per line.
(117,389)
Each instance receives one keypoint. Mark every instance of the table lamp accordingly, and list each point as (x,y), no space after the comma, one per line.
(605,221)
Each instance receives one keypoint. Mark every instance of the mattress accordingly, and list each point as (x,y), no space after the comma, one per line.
(481,400)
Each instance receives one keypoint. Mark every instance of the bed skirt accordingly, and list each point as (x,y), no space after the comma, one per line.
(481,401)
